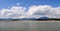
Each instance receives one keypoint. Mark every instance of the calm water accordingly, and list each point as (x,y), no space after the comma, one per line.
(29,26)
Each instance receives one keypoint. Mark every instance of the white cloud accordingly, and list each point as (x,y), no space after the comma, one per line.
(40,8)
(44,10)
(18,3)
(13,12)
(33,12)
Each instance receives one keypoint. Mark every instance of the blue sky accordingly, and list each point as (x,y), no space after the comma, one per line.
(29,8)
(27,3)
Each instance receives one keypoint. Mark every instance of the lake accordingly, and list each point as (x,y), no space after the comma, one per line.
(29,26)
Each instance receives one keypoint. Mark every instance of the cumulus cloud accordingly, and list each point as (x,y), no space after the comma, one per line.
(44,10)
(33,12)
(13,12)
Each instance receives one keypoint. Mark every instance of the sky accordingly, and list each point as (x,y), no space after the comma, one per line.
(29,8)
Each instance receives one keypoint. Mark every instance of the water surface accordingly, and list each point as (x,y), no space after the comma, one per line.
(29,26)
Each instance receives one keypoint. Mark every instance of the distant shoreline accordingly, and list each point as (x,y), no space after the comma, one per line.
(30,20)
